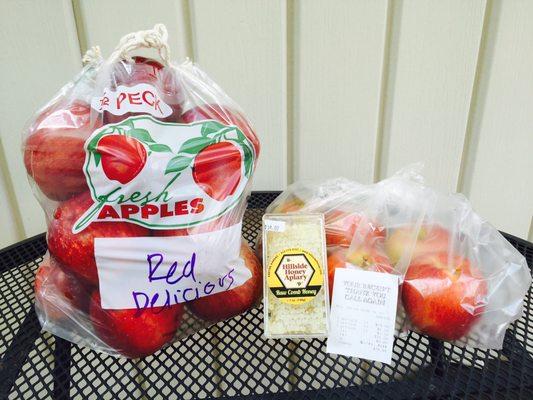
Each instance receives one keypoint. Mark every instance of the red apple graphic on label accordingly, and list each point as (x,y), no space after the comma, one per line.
(217,170)
(123,157)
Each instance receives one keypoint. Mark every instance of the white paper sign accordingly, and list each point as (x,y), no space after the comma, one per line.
(363,314)
(156,271)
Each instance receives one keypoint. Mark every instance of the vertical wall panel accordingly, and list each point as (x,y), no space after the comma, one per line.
(39,55)
(241,45)
(11,229)
(434,51)
(104,22)
(339,53)
(498,175)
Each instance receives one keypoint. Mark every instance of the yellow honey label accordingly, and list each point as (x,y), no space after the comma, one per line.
(295,276)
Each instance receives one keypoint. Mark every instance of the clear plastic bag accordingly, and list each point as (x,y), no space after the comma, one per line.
(142,168)
(461,281)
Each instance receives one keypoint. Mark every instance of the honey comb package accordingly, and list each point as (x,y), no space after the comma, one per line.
(142,168)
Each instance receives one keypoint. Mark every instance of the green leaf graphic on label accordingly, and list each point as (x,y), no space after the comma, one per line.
(127,122)
(142,134)
(178,164)
(248,160)
(194,145)
(211,127)
(159,148)
(241,136)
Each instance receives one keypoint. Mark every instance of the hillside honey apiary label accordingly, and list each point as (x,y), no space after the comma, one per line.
(295,278)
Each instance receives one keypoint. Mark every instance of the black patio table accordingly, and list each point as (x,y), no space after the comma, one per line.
(233,359)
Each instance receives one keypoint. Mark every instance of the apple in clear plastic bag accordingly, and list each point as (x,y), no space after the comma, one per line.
(428,239)
(53,152)
(76,250)
(367,257)
(443,295)
(219,306)
(58,293)
(342,226)
(132,332)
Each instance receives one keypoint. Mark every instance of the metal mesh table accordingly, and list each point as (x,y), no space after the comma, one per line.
(232,358)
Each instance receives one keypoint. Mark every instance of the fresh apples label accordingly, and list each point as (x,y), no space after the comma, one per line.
(141,98)
(165,175)
(174,270)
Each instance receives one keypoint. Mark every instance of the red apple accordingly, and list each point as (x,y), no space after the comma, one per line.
(149,71)
(59,293)
(336,259)
(429,239)
(226,116)
(135,333)
(76,251)
(54,153)
(342,226)
(232,302)
(217,170)
(123,157)
(443,295)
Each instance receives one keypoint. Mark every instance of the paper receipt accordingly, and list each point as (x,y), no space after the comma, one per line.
(363,314)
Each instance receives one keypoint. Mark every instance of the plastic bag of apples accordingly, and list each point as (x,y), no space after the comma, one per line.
(143,168)
(460,280)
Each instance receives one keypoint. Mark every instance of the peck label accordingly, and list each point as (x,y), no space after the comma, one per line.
(363,314)
(295,276)
(165,175)
(141,98)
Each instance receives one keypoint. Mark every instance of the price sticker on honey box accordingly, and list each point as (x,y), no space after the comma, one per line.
(295,276)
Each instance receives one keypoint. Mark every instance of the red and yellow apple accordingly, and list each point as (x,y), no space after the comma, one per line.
(342,226)
(366,257)
(443,295)
(429,239)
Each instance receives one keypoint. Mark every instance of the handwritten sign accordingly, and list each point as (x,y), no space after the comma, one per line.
(161,271)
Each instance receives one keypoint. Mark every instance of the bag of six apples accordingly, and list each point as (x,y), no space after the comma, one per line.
(142,168)
(460,280)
